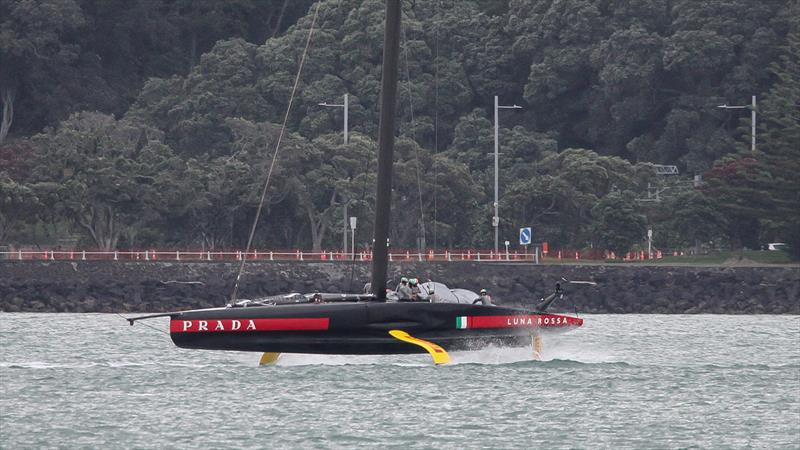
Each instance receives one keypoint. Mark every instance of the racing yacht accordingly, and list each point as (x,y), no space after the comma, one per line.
(376,322)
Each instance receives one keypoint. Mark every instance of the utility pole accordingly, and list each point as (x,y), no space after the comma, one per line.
(344,105)
(752,108)
(344,232)
(496,217)
(353,221)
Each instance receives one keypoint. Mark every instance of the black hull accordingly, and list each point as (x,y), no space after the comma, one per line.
(360,328)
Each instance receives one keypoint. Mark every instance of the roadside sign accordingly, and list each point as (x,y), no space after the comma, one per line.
(525,236)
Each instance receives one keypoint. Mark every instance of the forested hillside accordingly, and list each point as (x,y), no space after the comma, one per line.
(152,122)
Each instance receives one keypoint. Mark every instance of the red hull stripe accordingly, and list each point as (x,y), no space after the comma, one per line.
(242,325)
(528,321)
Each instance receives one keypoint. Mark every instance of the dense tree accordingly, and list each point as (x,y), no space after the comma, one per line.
(61,56)
(618,225)
(105,170)
(694,219)
(779,149)
(16,204)
(606,88)
(734,184)
(37,75)
(559,196)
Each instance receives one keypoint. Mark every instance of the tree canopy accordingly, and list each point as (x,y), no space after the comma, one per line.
(152,122)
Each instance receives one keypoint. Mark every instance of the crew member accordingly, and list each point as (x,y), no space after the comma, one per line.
(484,299)
(404,290)
(403,282)
(415,292)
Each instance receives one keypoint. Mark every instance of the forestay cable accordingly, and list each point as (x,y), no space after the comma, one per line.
(413,135)
(437,20)
(275,155)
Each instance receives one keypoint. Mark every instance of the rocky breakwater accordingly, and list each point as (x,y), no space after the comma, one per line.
(155,287)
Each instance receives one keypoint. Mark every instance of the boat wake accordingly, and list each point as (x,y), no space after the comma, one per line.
(557,354)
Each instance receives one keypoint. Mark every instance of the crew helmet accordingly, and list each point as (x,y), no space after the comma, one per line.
(483,291)
(413,281)
(404,280)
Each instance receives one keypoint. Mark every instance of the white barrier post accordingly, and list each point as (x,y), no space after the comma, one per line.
(270,256)
(52,256)
(19,254)
(208,256)
(177,255)
(147,255)
(115,255)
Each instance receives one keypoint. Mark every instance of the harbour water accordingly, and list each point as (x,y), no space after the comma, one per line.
(622,381)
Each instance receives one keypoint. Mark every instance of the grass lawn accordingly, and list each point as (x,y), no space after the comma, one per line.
(732,257)
(743,258)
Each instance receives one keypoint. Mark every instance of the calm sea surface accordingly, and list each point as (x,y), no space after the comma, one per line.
(623,381)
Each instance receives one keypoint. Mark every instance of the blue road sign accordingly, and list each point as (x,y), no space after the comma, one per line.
(525,236)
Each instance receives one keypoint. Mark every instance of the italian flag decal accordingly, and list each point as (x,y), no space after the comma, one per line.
(461,322)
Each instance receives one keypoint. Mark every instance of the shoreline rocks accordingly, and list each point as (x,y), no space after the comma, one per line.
(100,286)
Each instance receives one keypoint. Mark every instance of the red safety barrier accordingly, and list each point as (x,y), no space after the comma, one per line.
(299,255)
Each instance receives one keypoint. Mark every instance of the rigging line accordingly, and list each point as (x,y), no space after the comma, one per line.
(366,173)
(275,154)
(435,119)
(414,140)
(363,196)
(413,133)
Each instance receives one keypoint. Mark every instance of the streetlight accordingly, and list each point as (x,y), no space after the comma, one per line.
(353,221)
(340,105)
(496,218)
(752,108)
(345,106)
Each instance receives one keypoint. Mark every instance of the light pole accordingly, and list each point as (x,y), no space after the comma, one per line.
(346,141)
(344,234)
(353,221)
(340,105)
(752,108)
(496,218)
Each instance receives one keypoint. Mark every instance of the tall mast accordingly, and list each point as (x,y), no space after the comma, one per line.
(383,199)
